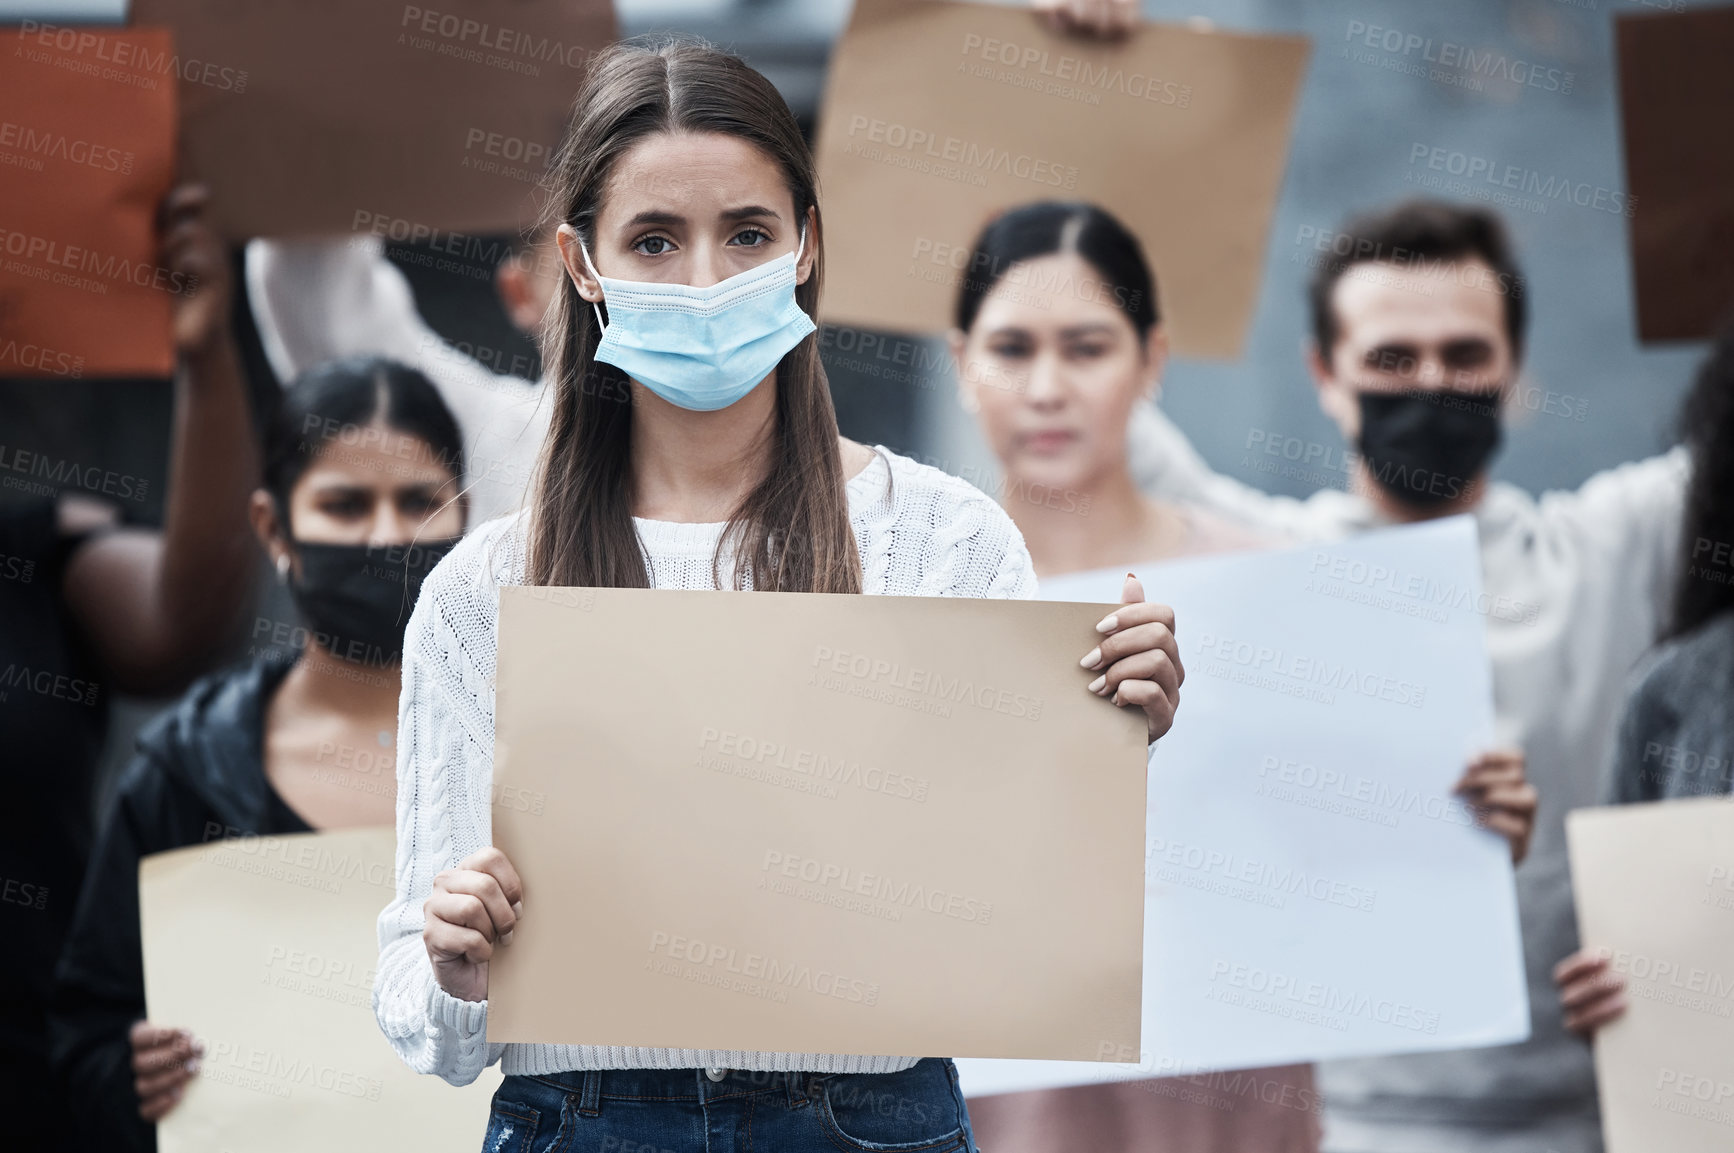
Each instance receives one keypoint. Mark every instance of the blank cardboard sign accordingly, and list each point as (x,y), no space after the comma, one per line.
(1655,886)
(852,824)
(332,116)
(266,949)
(1676,101)
(940,115)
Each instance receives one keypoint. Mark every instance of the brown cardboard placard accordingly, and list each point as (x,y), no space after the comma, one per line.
(938,115)
(807,823)
(413,121)
(1676,99)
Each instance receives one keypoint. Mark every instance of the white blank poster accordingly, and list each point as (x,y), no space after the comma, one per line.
(1313,888)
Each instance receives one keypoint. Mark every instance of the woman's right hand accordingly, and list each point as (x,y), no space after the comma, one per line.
(1590,993)
(472,908)
(163,1061)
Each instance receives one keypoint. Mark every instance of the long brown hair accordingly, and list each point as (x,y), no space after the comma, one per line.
(792,532)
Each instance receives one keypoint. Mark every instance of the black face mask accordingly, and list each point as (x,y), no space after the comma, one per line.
(1425,448)
(357,598)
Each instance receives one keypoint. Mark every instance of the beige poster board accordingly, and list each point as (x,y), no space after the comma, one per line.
(265,948)
(1655,884)
(939,115)
(816,823)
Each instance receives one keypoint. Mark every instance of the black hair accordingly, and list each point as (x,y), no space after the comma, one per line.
(336,400)
(1046,227)
(1419,234)
(1705,586)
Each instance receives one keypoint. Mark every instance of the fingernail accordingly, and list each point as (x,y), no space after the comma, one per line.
(1092,658)
(1108,623)
(517,908)
(193,1065)
(1096,685)
(199,1048)
(506,938)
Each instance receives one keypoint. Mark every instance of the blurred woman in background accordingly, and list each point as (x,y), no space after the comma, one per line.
(1058,340)
(1676,736)
(362,461)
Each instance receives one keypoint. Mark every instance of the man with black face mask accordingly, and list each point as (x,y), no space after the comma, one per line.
(1418,318)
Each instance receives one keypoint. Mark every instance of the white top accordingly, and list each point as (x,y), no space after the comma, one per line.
(919,532)
(317,300)
(1578,586)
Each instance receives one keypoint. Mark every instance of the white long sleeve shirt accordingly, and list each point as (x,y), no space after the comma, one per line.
(919,532)
(317,300)
(1578,586)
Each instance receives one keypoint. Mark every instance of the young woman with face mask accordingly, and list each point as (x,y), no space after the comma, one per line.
(361,464)
(1058,340)
(692,445)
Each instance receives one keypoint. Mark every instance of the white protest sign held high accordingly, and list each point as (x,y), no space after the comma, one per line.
(1314,890)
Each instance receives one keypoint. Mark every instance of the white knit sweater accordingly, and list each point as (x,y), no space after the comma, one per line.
(919,532)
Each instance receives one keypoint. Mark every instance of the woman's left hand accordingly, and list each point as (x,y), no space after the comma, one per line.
(1139,659)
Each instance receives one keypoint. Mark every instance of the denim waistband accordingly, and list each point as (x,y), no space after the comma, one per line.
(591,1087)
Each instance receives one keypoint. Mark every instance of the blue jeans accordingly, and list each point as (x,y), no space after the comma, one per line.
(688,1111)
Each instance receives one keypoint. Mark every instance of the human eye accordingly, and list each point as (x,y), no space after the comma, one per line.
(345,504)
(1468,354)
(750,238)
(652,245)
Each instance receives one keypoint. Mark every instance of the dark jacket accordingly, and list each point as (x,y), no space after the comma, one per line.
(1677,734)
(198,775)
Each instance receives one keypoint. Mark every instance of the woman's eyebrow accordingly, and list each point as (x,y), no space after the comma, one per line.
(748,211)
(348,486)
(656,217)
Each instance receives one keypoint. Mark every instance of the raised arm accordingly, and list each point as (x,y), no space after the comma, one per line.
(326,298)
(159,605)
(322,299)
(1625,523)
(1166,466)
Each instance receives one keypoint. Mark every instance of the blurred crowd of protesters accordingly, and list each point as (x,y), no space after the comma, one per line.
(1611,632)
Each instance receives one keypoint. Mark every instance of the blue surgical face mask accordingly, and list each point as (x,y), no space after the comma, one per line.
(702,348)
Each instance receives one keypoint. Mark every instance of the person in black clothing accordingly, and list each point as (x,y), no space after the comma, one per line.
(363,463)
(90,607)
(1677,733)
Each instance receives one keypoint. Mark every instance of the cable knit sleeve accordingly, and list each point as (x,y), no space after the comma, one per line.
(1016,577)
(445,747)
(945,537)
